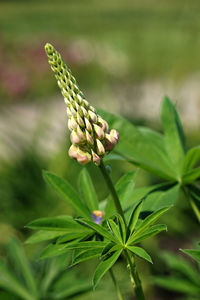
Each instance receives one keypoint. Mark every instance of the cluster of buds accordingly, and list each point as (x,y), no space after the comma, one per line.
(90,136)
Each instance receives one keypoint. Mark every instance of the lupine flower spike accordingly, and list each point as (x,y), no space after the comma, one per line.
(90,136)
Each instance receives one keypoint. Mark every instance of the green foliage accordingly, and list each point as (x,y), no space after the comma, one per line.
(162,155)
(66,192)
(56,281)
(84,237)
(184,277)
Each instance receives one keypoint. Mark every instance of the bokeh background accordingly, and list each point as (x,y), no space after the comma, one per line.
(126,55)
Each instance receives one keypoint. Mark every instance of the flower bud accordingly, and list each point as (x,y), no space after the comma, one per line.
(81,134)
(80,120)
(110,142)
(103,124)
(75,139)
(72,124)
(73,151)
(97,216)
(100,148)
(83,157)
(88,125)
(90,135)
(99,132)
(92,116)
(96,159)
(115,134)
(89,138)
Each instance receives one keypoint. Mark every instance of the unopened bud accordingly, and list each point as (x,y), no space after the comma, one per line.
(80,120)
(89,138)
(73,151)
(75,139)
(72,124)
(115,134)
(110,142)
(100,148)
(92,116)
(103,123)
(99,132)
(80,134)
(96,159)
(83,157)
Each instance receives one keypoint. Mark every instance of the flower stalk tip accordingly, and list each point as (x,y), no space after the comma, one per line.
(90,135)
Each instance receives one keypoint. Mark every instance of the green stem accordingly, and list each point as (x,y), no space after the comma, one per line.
(135,279)
(116,285)
(112,190)
(133,271)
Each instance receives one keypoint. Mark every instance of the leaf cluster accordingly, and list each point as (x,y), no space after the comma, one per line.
(83,236)
(49,280)
(184,276)
(163,155)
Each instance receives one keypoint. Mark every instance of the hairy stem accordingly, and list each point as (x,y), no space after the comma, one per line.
(112,190)
(135,279)
(116,285)
(131,263)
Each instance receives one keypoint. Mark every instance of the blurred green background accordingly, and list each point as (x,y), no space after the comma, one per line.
(126,55)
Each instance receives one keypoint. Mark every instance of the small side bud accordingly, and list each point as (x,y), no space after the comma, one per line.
(115,134)
(97,216)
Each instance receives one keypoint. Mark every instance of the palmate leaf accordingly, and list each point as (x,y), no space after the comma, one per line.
(22,265)
(124,188)
(115,230)
(58,249)
(140,252)
(160,199)
(99,229)
(191,176)
(177,284)
(87,190)
(10,283)
(67,193)
(122,227)
(134,217)
(191,159)
(104,266)
(54,250)
(72,236)
(141,147)
(146,192)
(52,270)
(148,221)
(150,232)
(194,253)
(81,255)
(174,136)
(182,266)
(72,290)
(44,235)
(66,224)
